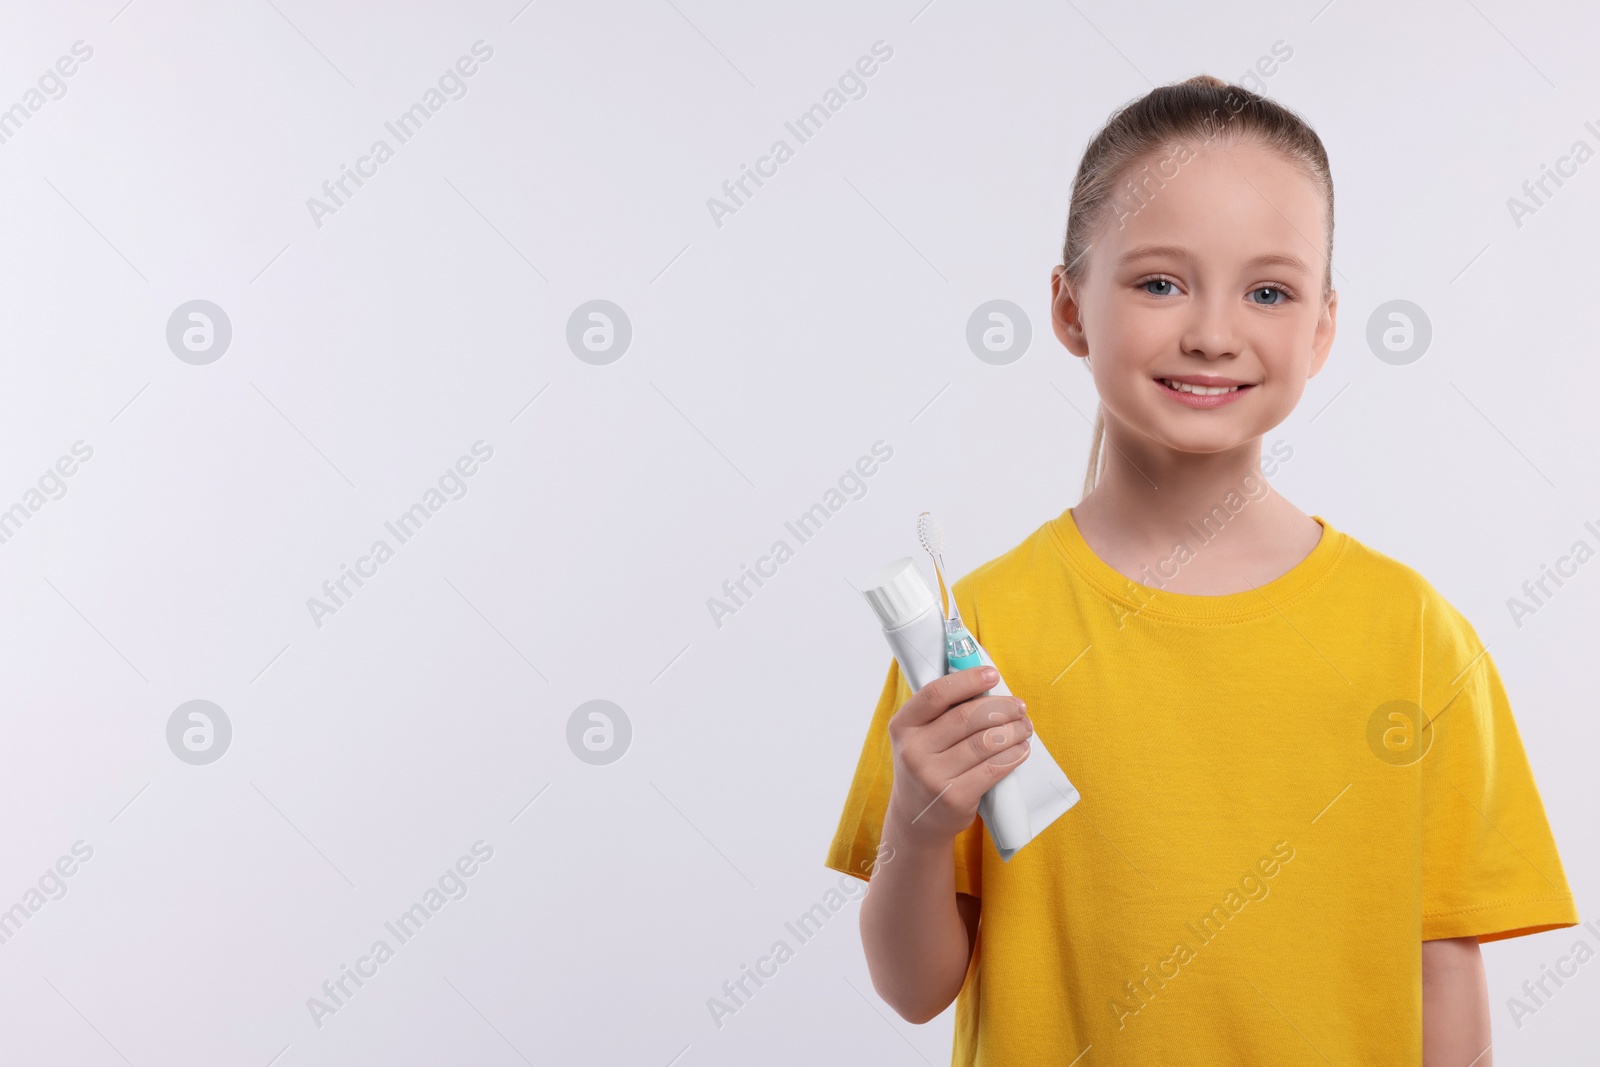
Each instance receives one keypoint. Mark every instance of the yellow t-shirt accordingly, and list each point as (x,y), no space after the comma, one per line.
(1285,790)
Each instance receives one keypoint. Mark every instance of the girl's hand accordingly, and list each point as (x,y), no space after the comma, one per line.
(952,744)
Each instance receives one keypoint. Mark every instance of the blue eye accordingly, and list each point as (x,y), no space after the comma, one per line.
(1155,281)
(1271,289)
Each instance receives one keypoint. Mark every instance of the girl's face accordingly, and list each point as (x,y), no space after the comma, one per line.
(1214,279)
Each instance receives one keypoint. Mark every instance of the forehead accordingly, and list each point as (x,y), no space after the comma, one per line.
(1227,204)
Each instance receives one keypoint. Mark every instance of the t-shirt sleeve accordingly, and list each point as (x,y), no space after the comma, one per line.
(1489,863)
(855,843)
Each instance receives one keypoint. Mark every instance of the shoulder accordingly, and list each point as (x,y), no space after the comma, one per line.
(1018,575)
(1393,587)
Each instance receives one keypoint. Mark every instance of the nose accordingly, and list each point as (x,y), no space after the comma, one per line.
(1211,331)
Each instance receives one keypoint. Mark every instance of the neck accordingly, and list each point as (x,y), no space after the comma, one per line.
(1149,494)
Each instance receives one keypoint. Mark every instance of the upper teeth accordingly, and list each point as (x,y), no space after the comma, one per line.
(1202,390)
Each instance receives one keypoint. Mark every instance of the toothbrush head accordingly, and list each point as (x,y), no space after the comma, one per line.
(930,534)
(932,538)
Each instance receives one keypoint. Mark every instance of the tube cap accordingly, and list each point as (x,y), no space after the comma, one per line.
(898,593)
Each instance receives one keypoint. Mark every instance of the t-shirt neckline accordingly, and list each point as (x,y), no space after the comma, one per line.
(1264,600)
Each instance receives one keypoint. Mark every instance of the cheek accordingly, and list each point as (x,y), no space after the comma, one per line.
(1285,352)
(1128,340)
(1286,396)
(1133,331)
(1127,357)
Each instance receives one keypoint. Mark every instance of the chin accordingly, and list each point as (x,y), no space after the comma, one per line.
(1215,439)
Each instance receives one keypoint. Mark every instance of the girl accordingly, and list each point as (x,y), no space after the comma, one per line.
(1305,800)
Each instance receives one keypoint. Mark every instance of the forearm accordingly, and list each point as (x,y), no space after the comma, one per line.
(1455,1005)
(914,937)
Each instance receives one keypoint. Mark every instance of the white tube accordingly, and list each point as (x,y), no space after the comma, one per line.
(1018,807)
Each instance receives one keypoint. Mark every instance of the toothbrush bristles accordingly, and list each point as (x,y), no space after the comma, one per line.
(932,538)
(930,534)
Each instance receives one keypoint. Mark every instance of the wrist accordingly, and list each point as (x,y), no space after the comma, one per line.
(904,830)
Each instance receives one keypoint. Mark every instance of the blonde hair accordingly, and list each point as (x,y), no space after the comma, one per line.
(1196,110)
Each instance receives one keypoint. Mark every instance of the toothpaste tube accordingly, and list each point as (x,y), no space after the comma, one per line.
(1036,793)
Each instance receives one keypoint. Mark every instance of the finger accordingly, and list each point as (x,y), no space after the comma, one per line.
(994,745)
(973,717)
(978,778)
(985,772)
(935,698)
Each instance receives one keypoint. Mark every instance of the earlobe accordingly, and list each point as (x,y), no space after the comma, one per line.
(1066,318)
(1322,344)
(1069,333)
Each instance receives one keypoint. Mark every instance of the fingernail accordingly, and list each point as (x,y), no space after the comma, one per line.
(990,674)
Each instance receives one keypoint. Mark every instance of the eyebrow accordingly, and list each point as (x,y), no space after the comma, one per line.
(1175,252)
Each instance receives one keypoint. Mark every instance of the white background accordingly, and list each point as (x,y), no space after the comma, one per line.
(768,354)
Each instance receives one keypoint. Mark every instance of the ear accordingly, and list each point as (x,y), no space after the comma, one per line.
(1322,338)
(1066,317)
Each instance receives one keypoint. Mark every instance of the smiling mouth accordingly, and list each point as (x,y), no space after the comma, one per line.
(1201,390)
